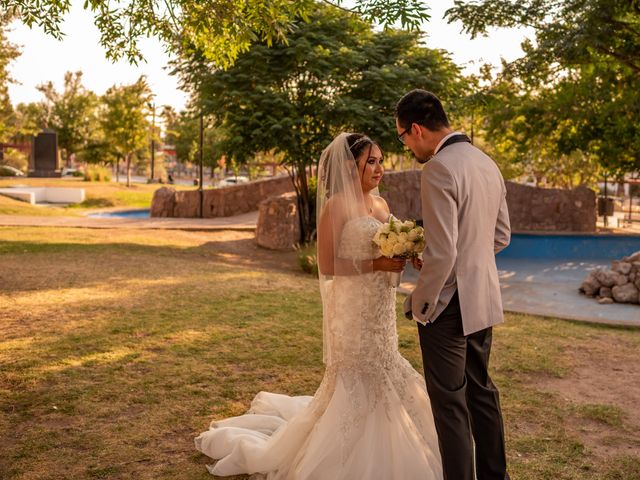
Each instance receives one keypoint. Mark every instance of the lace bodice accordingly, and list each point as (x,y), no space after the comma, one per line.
(357,235)
(363,320)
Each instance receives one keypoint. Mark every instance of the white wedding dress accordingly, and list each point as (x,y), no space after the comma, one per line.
(371,416)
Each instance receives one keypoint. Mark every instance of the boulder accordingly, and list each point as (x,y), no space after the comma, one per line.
(609,278)
(163,202)
(605,292)
(634,257)
(627,293)
(621,267)
(590,286)
(605,300)
(278,223)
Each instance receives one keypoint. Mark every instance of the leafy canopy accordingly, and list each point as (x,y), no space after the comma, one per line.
(220,29)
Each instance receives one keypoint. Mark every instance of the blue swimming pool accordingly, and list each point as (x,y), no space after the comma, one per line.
(571,247)
(141,213)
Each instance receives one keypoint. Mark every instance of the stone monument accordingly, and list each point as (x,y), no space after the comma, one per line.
(44,155)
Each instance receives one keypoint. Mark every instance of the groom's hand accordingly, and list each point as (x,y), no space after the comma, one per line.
(394,264)
(417,263)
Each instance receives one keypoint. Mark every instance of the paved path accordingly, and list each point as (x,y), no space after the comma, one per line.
(550,288)
(246,222)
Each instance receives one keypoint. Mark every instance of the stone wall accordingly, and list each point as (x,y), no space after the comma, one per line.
(530,208)
(218,202)
(401,190)
(551,209)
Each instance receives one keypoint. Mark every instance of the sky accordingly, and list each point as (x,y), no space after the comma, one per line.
(46,59)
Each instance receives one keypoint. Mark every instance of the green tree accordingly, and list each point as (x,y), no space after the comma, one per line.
(220,29)
(184,131)
(72,113)
(124,120)
(28,120)
(575,95)
(333,73)
(8,53)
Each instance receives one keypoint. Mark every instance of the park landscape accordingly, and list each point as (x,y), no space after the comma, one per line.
(119,345)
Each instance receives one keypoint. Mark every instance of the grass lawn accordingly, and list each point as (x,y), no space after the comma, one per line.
(118,347)
(98,195)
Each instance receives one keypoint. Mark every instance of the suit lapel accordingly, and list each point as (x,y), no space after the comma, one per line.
(455,139)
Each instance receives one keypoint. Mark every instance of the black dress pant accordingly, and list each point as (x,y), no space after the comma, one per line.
(464,400)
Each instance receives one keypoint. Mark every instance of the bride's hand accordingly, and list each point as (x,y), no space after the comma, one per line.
(394,264)
(417,263)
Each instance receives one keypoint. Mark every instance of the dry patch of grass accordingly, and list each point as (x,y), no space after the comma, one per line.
(119,346)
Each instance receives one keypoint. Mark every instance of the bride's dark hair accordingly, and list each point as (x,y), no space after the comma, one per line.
(358,142)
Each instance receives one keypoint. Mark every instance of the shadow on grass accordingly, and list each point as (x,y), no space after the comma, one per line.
(239,253)
(94,203)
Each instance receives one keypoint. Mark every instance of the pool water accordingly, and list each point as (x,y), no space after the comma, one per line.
(571,247)
(141,213)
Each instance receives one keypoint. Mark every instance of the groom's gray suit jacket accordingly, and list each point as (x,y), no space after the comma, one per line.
(466,223)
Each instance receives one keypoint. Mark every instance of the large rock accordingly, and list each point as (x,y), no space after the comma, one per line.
(605,292)
(163,202)
(627,293)
(609,278)
(634,257)
(621,267)
(278,223)
(590,286)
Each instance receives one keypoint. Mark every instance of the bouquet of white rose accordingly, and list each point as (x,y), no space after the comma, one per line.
(400,239)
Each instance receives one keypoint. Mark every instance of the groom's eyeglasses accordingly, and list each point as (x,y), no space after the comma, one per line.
(406,130)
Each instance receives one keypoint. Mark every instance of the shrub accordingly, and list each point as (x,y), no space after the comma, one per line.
(308,259)
(96,173)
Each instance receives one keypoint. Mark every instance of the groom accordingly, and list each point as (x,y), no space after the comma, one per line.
(457,297)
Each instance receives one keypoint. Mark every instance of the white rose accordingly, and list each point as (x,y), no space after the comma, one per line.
(412,235)
(386,228)
(397,226)
(398,249)
(419,246)
(392,237)
(402,236)
(379,238)
(386,251)
(409,247)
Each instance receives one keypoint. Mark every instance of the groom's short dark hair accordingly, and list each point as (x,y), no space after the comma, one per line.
(421,107)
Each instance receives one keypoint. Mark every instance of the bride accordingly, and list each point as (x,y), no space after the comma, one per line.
(371,416)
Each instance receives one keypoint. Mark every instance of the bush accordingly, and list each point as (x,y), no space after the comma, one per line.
(308,259)
(159,171)
(96,173)
(16,159)
(9,171)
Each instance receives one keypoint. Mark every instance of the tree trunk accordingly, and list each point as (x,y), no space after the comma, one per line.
(307,226)
(118,170)
(128,160)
